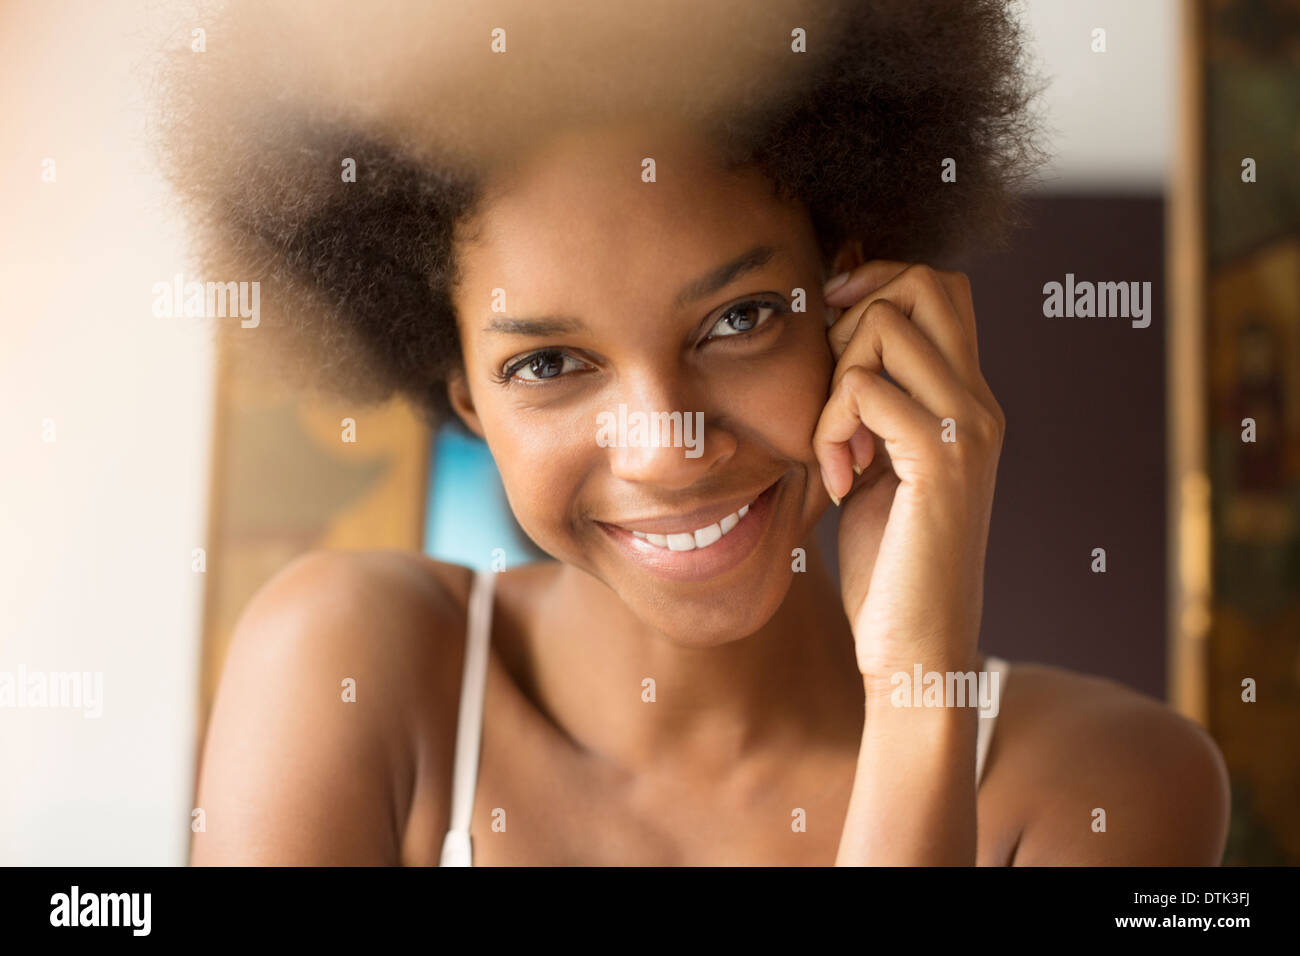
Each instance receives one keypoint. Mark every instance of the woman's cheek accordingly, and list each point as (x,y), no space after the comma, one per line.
(782,395)
(541,466)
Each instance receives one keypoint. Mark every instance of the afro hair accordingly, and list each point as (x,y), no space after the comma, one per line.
(849,107)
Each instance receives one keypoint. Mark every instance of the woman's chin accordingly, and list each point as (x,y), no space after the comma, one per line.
(713,618)
(684,633)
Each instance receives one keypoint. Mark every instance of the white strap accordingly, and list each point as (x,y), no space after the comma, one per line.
(456,849)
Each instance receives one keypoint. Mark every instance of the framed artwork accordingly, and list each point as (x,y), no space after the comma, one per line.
(291,474)
(1248,82)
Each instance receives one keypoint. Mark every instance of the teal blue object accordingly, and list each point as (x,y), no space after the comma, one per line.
(467,514)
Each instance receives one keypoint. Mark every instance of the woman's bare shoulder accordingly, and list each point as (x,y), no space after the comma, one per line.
(1103,774)
(411,579)
(400,614)
(337,699)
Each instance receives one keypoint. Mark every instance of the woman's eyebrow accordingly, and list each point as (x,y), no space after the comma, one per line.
(725,274)
(712,281)
(547,325)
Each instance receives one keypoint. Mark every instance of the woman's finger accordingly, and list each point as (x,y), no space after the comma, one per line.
(862,446)
(886,340)
(864,397)
(923,296)
(849,287)
(858,283)
(958,287)
(870,276)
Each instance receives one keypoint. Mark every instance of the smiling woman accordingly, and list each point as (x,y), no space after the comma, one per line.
(650,326)
(686,682)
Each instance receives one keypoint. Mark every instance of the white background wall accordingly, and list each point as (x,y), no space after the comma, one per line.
(96,528)
(1112,112)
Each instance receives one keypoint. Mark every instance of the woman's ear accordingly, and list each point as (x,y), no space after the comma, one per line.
(462,403)
(848,258)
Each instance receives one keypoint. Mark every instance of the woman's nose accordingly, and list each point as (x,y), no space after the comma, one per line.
(650,441)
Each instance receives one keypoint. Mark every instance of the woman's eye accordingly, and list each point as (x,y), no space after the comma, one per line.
(736,320)
(743,317)
(539,366)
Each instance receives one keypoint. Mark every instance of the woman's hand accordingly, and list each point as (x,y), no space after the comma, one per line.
(914,526)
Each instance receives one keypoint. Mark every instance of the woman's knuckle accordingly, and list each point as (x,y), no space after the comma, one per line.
(857,379)
(922,272)
(885,316)
(878,309)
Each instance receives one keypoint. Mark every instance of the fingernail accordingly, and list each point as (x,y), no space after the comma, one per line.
(857,469)
(827,485)
(835,283)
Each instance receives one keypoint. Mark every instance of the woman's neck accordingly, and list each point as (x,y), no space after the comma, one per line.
(792,681)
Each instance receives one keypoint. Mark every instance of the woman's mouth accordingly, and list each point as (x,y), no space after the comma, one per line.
(672,549)
(699,538)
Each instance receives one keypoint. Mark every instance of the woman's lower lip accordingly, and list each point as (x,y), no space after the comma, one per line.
(699,564)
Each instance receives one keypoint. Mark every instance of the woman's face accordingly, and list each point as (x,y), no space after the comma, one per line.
(589,300)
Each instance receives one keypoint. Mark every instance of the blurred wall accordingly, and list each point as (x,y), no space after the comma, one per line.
(98,524)
(1110,114)
(1084,459)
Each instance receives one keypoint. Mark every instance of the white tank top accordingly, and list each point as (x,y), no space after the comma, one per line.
(456,849)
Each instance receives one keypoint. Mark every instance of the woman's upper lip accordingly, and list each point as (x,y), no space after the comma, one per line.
(679,521)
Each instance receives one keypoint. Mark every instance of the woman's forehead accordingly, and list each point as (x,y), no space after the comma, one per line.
(618,198)
(616,170)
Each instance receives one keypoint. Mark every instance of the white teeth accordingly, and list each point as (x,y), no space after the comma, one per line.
(706,536)
(700,538)
(681,542)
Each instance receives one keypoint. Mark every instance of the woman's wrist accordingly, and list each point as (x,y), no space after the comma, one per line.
(913,799)
(915,680)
